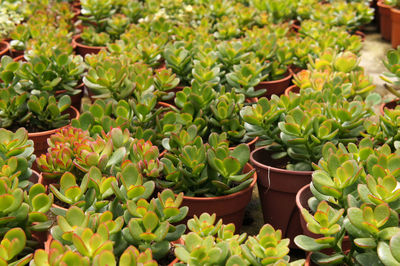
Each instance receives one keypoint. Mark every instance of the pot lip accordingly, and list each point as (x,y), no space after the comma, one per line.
(79,86)
(288,75)
(274,169)
(384,105)
(227,197)
(395,10)
(76,42)
(290,89)
(52,131)
(383,5)
(6,47)
(20,58)
(298,196)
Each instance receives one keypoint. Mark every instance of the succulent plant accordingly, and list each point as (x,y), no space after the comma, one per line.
(150,223)
(12,245)
(189,164)
(57,72)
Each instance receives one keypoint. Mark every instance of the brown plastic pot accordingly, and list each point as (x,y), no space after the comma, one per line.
(385,22)
(346,246)
(15,53)
(83,49)
(40,138)
(293,89)
(302,198)
(275,86)
(229,208)
(4,48)
(277,188)
(389,105)
(395,18)
(361,34)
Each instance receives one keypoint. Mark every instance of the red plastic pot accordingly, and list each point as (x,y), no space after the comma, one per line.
(395,18)
(389,105)
(4,48)
(277,189)
(385,22)
(83,49)
(229,208)
(275,86)
(40,138)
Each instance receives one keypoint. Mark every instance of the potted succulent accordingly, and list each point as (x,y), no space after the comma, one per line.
(359,202)
(211,175)
(219,245)
(294,130)
(58,74)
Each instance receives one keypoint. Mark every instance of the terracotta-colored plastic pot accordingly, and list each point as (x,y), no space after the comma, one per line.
(302,198)
(277,188)
(40,138)
(251,144)
(295,69)
(229,208)
(385,22)
(395,18)
(275,86)
(361,34)
(83,49)
(293,89)
(4,48)
(389,105)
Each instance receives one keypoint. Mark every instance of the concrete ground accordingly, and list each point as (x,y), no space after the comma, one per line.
(372,54)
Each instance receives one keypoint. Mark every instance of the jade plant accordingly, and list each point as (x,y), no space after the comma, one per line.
(210,243)
(58,72)
(355,195)
(37,112)
(295,127)
(12,244)
(204,169)
(392,76)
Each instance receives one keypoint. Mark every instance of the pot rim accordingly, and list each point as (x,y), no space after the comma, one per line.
(76,41)
(290,89)
(52,131)
(6,47)
(298,196)
(226,197)
(274,169)
(288,75)
(384,105)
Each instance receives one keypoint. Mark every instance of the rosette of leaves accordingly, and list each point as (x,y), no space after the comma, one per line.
(16,155)
(296,128)
(12,244)
(205,169)
(116,78)
(392,77)
(245,76)
(179,59)
(150,224)
(355,195)
(57,72)
(25,209)
(63,254)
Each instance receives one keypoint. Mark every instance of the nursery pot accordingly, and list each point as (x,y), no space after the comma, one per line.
(277,189)
(293,89)
(385,23)
(275,86)
(395,18)
(346,246)
(83,49)
(389,105)
(302,198)
(229,208)
(40,138)
(4,48)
